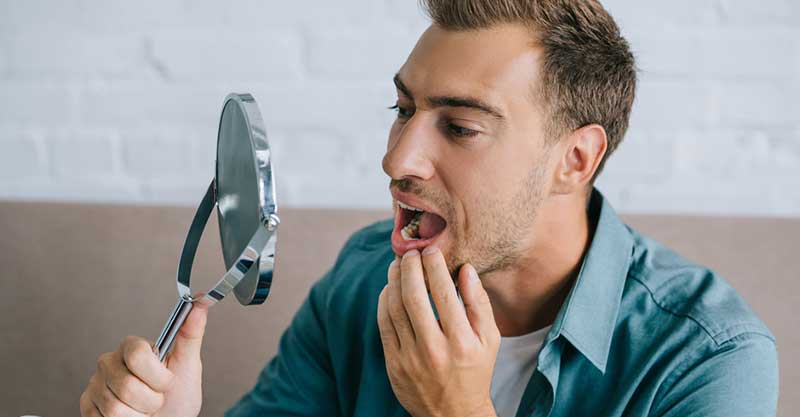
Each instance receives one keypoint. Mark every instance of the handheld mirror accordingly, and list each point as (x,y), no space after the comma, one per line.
(243,192)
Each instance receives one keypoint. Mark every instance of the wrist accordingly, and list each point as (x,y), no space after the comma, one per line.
(485,410)
(481,411)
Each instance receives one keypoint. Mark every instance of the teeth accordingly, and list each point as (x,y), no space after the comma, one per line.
(404,233)
(410,229)
(407,207)
(413,226)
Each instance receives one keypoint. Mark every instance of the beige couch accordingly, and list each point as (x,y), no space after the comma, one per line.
(74,279)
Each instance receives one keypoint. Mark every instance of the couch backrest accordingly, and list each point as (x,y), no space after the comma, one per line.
(75,279)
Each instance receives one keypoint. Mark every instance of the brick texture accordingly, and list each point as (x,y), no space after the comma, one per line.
(118,101)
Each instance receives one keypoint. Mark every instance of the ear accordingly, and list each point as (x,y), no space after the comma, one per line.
(582,151)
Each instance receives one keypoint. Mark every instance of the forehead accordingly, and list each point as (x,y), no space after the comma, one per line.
(499,64)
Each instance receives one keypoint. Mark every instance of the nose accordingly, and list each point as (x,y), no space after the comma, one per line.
(410,151)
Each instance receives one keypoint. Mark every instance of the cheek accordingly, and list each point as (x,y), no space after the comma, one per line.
(486,207)
(470,185)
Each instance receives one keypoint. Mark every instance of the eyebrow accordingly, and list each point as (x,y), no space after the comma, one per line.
(453,101)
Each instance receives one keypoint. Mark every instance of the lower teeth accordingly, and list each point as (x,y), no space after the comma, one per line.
(411,229)
(406,235)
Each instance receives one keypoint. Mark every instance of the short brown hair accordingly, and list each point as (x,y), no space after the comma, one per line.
(588,70)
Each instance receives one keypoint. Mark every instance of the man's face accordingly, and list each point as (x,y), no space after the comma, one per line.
(468,147)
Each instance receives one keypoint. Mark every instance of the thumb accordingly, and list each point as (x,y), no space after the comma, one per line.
(189,339)
(476,303)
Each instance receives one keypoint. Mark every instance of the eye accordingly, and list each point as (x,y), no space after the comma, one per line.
(460,131)
(402,112)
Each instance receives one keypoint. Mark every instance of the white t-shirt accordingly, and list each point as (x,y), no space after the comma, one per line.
(516,361)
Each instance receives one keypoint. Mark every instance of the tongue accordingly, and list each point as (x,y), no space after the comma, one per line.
(430,225)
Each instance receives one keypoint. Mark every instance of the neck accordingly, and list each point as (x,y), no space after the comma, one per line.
(527,297)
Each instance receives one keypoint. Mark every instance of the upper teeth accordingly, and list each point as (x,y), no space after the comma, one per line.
(407,207)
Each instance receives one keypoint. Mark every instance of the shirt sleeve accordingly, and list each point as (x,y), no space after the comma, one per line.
(739,379)
(299,380)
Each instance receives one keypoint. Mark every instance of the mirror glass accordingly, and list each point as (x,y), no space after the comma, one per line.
(245,192)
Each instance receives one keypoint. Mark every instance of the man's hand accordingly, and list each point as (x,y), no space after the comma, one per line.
(438,368)
(131,381)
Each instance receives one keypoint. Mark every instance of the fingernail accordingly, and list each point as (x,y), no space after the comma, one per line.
(393,264)
(472,274)
(429,249)
(412,252)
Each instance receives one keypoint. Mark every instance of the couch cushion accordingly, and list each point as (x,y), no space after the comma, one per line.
(77,278)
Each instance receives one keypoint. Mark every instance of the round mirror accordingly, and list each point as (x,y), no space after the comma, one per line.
(244,193)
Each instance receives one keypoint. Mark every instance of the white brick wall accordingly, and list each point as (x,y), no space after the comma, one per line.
(111,100)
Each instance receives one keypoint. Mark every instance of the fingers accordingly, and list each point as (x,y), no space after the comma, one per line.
(141,361)
(87,407)
(397,312)
(477,304)
(389,340)
(133,392)
(130,381)
(114,375)
(99,400)
(443,291)
(189,340)
(415,299)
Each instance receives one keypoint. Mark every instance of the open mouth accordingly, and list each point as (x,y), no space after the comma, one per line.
(419,224)
(415,228)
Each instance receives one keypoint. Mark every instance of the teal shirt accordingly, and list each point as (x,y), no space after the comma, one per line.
(643,332)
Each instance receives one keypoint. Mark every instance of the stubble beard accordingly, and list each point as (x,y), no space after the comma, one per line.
(500,238)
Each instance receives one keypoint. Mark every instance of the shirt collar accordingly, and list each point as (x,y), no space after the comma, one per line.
(588,317)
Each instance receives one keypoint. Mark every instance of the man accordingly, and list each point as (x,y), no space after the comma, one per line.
(505,285)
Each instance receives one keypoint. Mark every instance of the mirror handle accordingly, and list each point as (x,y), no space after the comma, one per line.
(172,326)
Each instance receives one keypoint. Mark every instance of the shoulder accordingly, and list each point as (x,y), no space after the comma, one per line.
(691,296)
(365,250)
(374,236)
(702,329)
(370,242)
(359,273)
